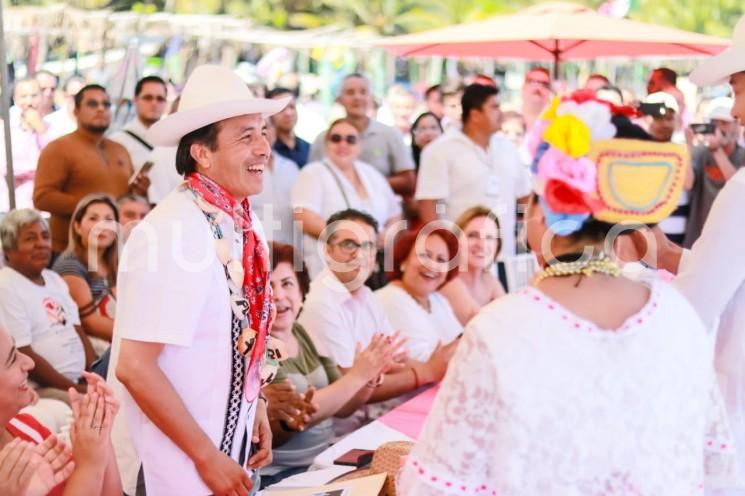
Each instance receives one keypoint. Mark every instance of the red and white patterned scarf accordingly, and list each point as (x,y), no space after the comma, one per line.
(256,287)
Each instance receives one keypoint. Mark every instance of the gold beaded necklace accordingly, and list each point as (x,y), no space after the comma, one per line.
(601,265)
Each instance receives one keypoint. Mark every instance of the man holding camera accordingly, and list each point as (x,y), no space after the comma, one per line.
(714,161)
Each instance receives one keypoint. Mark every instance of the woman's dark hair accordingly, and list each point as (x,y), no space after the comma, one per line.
(407,241)
(284,253)
(207,135)
(416,152)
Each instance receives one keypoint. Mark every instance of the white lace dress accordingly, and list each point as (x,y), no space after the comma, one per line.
(538,402)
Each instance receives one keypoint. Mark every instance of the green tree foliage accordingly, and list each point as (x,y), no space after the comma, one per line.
(391,17)
(714,17)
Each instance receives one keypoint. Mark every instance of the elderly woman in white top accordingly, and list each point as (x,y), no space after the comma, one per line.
(421,265)
(336,183)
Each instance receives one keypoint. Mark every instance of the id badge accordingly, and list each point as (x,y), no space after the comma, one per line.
(492,186)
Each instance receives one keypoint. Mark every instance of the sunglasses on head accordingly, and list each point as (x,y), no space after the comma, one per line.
(351,139)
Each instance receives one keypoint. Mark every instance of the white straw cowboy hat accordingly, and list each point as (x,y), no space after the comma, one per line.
(211,94)
(718,69)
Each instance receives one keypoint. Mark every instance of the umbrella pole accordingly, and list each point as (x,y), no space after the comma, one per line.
(5,109)
(557,59)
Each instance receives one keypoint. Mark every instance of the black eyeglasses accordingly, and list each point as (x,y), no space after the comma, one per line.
(95,104)
(150,98)
(539,82)
(349,246)
(351,139)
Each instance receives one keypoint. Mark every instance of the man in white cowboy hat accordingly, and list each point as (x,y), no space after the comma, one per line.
(712,274)
(194,303)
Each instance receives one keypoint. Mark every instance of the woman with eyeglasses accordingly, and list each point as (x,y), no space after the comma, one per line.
(477,286)
(422,263)
(425,130)
(90,263)
(338,182)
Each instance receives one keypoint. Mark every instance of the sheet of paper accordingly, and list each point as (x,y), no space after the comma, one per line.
(312,478)
(370,437)
(365,486)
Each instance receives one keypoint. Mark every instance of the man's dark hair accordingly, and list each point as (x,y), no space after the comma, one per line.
(474,97)
(669,75)
(433,89)
(207,135)
(451,87)
(81,94)
(149,79)
(278,91)
(350,214)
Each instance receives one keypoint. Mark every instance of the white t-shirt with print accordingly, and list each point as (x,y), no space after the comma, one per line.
(43,317)
(459,172)
(172,289)
(424,329)
(318,191)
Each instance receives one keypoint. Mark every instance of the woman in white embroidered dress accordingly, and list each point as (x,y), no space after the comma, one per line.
(578,385)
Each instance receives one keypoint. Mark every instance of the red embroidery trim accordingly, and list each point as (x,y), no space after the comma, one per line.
(431,477)
(647,311)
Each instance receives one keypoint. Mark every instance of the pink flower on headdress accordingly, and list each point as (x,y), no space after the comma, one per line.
(579,173)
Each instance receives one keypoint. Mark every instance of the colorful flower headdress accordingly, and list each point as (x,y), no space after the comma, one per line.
(581,172)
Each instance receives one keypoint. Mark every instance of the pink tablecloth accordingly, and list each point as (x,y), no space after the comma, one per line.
(409,417)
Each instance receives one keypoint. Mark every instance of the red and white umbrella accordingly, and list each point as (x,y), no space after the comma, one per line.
(555,31)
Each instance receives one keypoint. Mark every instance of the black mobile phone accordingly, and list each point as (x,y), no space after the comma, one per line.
(652,109)
(707,128)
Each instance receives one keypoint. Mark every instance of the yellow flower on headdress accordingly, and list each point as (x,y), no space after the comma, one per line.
(551,112)
(570,135)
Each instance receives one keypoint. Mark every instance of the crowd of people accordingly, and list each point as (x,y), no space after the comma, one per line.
(249,296)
